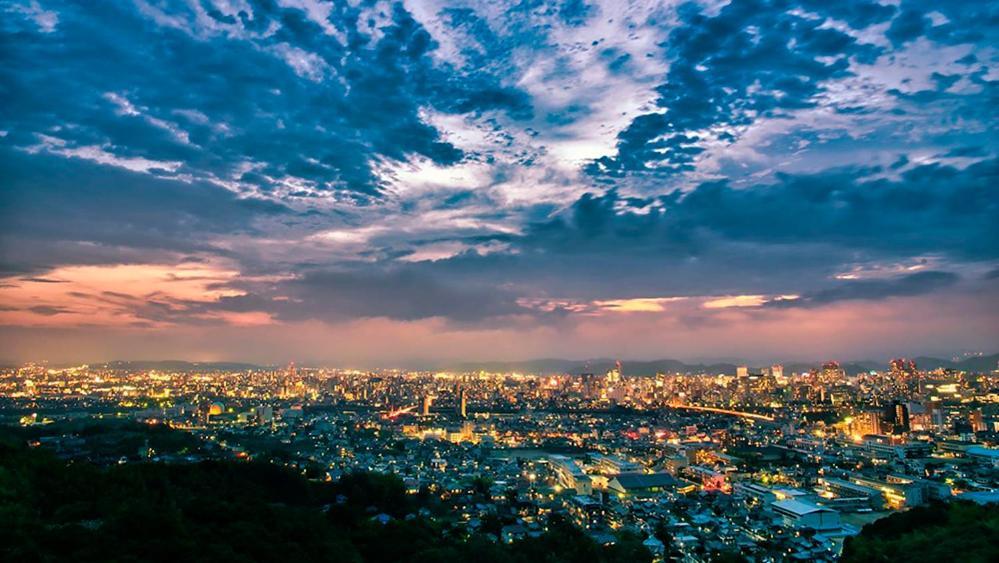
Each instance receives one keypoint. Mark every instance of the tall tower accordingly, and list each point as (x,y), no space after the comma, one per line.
(462,406)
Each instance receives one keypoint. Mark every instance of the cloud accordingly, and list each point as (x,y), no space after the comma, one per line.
(49,310)
(751,73)
(749,61)
(262,99)
(48,203)
(787,238)
(336,296)
(929,208)
(871,290)
(482,166)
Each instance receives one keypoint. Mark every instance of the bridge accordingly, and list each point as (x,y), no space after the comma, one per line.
(396,413)
(742,414)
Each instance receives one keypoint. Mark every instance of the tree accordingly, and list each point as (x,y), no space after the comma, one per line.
(956,530)
(662,533)
(481,485)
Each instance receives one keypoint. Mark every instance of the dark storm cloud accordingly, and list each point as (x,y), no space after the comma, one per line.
(757,59)
(789,236)
(872,290)
(254,97)
(401,294)
(965,21)
(575,12)
(753,59)
(928,209)
(92,210)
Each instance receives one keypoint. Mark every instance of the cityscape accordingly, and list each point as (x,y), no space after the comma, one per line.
(499,281)
(766,464)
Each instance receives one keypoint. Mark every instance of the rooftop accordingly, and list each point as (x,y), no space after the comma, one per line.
(798,508)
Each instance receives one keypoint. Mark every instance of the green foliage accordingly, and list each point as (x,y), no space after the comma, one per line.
(481,485)
(53,510)
(112,438)
(729,557)
(936,532)
(663,534)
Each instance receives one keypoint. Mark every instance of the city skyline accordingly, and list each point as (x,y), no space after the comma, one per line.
(636,367)
(461,181)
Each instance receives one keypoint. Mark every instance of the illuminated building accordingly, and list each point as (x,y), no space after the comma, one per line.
(976,420)
(614,375)
(710,479)
(896,417)
(901,367)
(639,484)
(865,423)
(803,514)
(846,495)
(884,447)
(901,492)
(570,475)
(462,406)
(612,465)
(831,373)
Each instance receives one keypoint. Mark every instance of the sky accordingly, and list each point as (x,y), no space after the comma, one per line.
(380,183)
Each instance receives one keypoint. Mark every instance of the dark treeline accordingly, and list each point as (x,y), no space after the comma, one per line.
(56,510)
(953,531)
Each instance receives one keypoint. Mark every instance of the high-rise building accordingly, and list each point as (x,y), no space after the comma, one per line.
(865,423)
(742,371)
(897,414)
(831,373)
(976,420)
(902,366)
(427,401)
(614,375)
(938,416)
(264,414)
(462,406)
(592,386)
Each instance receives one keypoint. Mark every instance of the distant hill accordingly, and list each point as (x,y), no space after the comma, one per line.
(180,365)
(851,367)
(666,365)
(973,364)
(594,365)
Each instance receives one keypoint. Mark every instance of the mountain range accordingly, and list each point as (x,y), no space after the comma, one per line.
(596,365)
(651,367)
